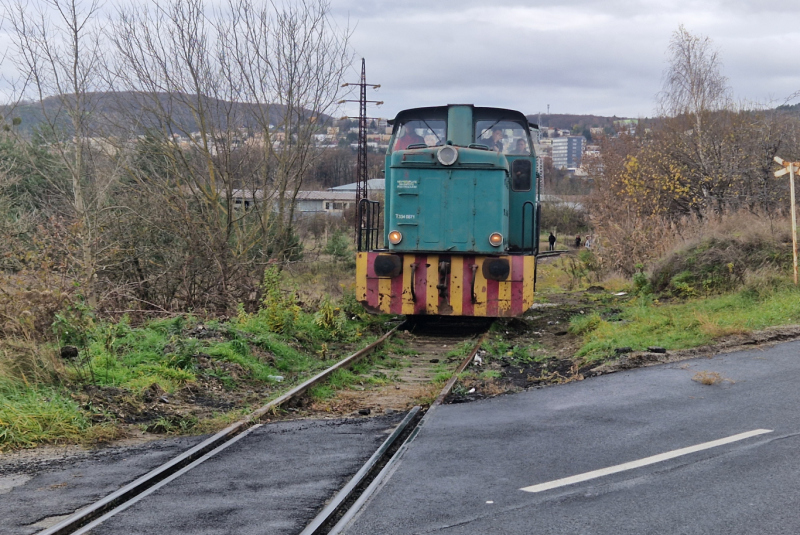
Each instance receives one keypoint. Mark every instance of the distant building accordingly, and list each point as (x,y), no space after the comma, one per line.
(324,202)
(377,185)
(306,203)
(567,152)
(542,150)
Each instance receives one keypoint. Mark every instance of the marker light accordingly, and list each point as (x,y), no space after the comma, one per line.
(395,237)
(447,155)
(496,239)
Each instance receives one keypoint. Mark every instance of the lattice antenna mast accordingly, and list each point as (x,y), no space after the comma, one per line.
(361,168)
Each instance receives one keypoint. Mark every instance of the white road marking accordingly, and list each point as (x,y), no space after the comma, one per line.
(642,462)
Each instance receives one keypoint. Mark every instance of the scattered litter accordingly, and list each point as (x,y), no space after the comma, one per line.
(623,350)
(276,378)
(434,361)
(489,501)
(477,361)
(471,390)
(163,399)
(364,412)
(657,349)
(621,293)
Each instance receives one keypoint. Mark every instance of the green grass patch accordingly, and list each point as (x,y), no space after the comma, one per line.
(34,415)
(693,323)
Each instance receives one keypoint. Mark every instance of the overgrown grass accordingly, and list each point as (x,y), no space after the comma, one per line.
(32,415)
(646,323)
(269,350)
(497,347)
(360,375)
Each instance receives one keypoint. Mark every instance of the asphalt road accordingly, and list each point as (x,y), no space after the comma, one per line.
(464,472)
(33,494)
(273,480)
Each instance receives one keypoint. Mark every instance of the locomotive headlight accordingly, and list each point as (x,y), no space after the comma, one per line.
(447,155)
(496,239)
(395,237)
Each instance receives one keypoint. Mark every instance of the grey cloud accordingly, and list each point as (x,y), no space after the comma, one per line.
(581,56)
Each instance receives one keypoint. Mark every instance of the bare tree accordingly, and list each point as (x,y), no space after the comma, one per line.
(230,100)
(290,63)
(693,81)
(58,52)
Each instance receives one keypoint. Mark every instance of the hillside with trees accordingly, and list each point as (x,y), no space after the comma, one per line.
(118,107)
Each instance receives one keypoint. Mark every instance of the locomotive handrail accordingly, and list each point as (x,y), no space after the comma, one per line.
(368,227)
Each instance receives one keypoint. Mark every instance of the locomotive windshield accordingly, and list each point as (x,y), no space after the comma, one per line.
(421,132)
(507,137)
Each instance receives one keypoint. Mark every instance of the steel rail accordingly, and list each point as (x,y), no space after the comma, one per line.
(337,501)
(133,489)
(391,464)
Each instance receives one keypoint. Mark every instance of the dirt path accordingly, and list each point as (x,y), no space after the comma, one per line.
(420,365)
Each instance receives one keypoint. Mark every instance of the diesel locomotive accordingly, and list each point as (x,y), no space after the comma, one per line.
(460,228)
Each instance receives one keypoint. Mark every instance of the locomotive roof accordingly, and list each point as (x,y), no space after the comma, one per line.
(442,110)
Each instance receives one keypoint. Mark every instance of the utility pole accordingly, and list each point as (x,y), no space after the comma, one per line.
(361,167)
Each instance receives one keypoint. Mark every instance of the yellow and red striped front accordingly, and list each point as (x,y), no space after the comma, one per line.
(393,295)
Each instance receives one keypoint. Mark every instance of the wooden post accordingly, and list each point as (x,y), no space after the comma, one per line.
(794,222)
(790,167)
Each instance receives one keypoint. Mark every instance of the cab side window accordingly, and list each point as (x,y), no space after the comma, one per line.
(521,175)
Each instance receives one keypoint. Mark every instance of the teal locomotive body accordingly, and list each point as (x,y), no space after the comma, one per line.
(461,216)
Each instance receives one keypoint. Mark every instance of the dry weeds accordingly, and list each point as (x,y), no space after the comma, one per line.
(710,378)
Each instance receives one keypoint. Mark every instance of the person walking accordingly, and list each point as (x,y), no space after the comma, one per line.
(552,240)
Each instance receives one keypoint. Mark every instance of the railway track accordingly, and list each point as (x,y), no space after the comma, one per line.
(430,341)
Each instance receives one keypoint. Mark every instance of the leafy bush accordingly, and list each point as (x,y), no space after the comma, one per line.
(279,309)
(338,246)
(330,318)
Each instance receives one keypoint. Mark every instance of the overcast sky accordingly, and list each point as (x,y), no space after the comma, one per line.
(603,57)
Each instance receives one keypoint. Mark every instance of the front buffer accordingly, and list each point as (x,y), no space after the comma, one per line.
(446,285)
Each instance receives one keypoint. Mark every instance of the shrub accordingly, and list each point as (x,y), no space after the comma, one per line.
(716,265)
(279,309)
(584,323)
(338,246)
